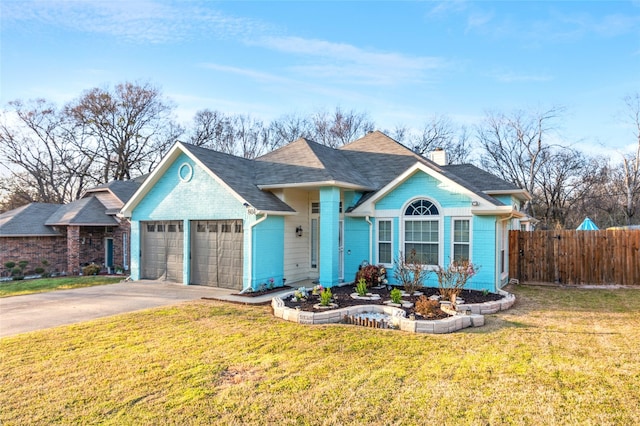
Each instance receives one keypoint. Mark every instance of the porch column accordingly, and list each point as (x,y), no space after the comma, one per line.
(73,250)
(329,222)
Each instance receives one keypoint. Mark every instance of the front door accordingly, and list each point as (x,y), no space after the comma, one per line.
(108,253)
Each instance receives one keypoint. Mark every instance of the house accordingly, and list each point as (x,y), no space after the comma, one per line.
(309,212)
(71,235)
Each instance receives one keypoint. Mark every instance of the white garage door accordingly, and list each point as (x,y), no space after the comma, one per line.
(216,253)
(162,250)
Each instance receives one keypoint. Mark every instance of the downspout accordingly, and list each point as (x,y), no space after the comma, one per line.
(244,290)
(370,237)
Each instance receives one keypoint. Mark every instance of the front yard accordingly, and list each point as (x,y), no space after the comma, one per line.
(559,356)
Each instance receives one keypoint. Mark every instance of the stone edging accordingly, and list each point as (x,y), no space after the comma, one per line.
(469,315)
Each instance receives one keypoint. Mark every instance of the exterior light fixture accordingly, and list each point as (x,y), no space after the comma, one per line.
(299,231)
(475,203)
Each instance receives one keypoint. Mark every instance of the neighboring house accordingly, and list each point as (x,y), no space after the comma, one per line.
(69,236)
(310,212)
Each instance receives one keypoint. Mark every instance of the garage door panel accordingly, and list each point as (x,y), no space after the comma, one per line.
(162,250)
(217,253)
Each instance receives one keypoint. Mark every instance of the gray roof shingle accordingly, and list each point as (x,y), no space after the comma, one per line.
(239,174)
(28,220)
(83,212)
(122,189)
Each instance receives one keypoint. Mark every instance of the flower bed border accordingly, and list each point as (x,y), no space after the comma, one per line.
(467,315)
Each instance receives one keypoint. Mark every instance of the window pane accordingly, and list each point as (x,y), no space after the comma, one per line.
(426,253)
(460,252)
(421,231)
(384,230)
(461,231)
(384,253)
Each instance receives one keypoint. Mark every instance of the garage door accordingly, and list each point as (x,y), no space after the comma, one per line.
(216,253)
(162,250)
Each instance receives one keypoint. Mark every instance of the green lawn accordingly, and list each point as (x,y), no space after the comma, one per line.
(14,288)
(559,356)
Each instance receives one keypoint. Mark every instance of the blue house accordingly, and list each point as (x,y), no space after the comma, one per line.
(307,212)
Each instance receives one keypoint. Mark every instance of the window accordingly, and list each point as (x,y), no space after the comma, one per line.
(461,239)
(384,242)
(238,228)
(225,228)
(160,227)
(315,208)
(422,231)
(201,227)
(151,227)
(171,228)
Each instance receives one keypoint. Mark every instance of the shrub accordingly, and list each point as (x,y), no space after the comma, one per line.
(325,297)
(361,287)
(453,278)
(396,295)
(410,272)
(370,274)
(427,307)
(91,269)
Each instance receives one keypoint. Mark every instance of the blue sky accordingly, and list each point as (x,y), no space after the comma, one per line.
(400,62)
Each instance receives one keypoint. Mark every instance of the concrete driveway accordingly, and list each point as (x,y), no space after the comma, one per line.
(19,314)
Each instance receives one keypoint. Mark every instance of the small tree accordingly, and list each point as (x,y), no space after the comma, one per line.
(410,271)
(453,278)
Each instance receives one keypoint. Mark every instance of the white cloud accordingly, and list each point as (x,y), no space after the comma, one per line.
(345,62)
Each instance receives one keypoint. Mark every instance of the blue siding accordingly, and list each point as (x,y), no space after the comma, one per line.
(421,185)
(356,245)
(268,251)
(329,206)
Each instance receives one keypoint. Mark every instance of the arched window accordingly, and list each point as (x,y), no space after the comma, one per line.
(422,231)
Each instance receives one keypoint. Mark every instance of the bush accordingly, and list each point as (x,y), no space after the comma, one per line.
(325,297)
(361,287)
(370,274)
(396,295)
(410,272)
(453,278)
(91,269)
(427,307)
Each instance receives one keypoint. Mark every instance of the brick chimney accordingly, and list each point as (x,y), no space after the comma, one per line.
(439,156)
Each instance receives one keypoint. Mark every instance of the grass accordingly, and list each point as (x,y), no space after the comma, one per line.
(39,285)
(559,356)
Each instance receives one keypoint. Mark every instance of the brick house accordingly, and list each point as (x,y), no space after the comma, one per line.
(69,236)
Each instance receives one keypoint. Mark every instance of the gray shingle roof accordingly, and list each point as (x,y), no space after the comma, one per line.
(239,174)
(122,189)
(28,220)
(368,163)
(83,212)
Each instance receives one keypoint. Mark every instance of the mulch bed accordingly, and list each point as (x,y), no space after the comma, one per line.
(342,297)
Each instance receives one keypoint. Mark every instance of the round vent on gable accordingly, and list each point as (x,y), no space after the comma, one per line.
(185,172)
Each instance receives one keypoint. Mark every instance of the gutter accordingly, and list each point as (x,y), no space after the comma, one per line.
(370,238)
(263,218)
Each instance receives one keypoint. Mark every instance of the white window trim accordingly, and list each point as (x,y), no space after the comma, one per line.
(439,219)
(378,220)
(451,251)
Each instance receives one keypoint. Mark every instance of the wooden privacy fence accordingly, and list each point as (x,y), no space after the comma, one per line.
(575,257)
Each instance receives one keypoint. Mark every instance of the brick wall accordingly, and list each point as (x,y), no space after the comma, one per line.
(34,250)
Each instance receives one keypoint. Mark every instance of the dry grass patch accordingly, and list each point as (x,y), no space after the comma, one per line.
(560,356)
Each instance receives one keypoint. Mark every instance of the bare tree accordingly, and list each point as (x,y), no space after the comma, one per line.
(440,132)
(630,170)
(44,151)
(288,128)
(561,184)
(339,127)
(131,128)
(517,146)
